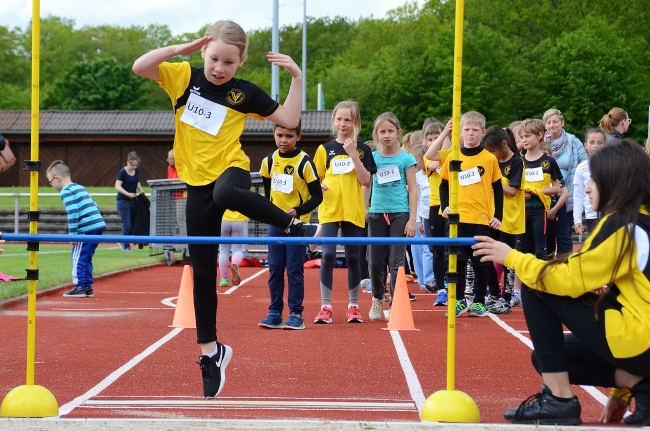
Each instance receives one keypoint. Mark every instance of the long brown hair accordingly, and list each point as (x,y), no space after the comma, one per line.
(621,173)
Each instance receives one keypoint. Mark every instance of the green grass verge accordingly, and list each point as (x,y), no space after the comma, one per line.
(55,267)
(54,202)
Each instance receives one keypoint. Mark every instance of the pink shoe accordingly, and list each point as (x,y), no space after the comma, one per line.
(325,315)
(354,315)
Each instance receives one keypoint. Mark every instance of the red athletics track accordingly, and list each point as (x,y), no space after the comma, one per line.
(114,356)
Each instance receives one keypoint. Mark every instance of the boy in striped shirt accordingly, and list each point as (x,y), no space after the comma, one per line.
(83,219)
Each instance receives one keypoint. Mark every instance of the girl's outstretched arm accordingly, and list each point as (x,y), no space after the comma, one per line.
(288,114)
(147,65)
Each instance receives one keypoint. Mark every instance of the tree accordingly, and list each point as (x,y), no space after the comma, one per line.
(101,84)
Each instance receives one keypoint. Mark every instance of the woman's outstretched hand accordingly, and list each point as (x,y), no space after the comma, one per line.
(490,250)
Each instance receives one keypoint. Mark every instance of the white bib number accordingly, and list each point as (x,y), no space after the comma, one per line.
(469,177)
(203,114)
(282,183)
(388,174)
(534,174)
(342,165)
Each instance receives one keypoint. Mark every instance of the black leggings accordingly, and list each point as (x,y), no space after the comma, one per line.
(584,353)
(204,210)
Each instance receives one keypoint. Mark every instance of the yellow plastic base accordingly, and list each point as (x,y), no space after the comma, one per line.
(450,406)
(29,401)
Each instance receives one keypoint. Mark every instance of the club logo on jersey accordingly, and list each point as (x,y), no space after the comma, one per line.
(288,170)
(235,97)
(506,171)
(481,170)
(545,165)
(196,90)
(360,154)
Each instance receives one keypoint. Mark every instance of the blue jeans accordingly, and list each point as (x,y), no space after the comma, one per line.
(291,258)
(559,232)
(126,210)
(422,257)
(534,239)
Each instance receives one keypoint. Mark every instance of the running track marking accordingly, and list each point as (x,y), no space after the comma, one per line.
(417,395)
(598,396)
(257,274)
(111,378)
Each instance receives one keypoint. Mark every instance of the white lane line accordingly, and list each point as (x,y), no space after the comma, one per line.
(250,404)
(598,396)
(409,372)
(67,408)
(257,274)
(170,302)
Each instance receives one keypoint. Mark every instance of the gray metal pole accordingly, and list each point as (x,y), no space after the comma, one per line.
(16,212)
(275,47)
(304,56)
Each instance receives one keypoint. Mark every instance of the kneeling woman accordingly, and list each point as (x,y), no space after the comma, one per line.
(609,343)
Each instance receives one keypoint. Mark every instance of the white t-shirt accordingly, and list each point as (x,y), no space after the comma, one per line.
(423,194)
(580,198)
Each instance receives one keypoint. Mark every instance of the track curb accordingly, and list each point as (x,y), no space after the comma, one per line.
(22,299)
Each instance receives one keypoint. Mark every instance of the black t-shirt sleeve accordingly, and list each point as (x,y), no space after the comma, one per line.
(259,102)
(444,194)
(316,198)
(556,174)
(497,187)
(367,159)
(516,172)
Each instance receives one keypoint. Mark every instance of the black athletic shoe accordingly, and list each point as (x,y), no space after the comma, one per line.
(302,230)
(641,394)
(213,370)
(90,293)
(546,409)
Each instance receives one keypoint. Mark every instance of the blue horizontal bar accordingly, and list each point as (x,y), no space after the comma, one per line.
(141,239)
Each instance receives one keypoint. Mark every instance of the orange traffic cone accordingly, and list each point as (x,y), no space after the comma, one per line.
(184,314)
(401,317)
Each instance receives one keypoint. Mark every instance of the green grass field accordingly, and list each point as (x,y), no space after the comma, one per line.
(54,202)
(54,264)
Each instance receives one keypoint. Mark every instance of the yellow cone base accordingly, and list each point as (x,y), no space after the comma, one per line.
(29,401)
(450,406)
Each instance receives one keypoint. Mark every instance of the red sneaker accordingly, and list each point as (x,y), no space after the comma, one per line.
(354,315)
(325,315)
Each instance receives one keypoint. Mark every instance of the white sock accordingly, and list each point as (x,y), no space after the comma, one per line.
(215,352)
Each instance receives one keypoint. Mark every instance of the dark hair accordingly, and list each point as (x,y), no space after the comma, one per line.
(495,135)
(297,128)
(621,173)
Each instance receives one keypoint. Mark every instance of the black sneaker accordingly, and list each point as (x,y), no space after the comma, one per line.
(213,370)
(546,409)
(77,292)
(641,394)
(412,297)
(89,293)
(302,230)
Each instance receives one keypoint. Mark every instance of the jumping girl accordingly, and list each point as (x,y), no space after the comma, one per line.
(609,340)
(344,165)
(393,206)
(210,109)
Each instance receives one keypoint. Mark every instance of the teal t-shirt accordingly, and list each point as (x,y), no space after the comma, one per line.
(389,192)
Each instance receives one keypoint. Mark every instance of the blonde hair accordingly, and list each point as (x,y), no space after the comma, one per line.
(59,168)
(419,151)
(406,141)
(386,116)
(170,154)
(355,113)
(472,117)
(612,119)
(534,126)
(231,33)
(548,114)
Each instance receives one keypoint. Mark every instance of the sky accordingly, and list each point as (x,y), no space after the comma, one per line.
(250,14)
